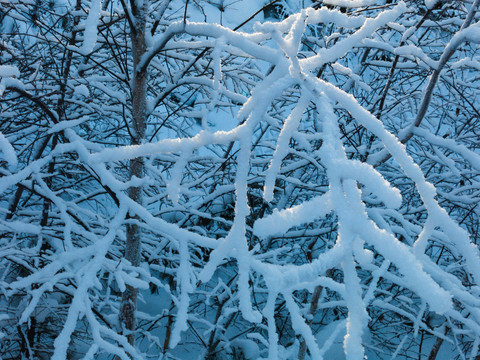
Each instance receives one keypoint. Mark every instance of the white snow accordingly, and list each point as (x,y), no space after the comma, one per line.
(8,152)
(82,90)
(9,71)
(280,221)
(430,4)
(90,33)
(284,125)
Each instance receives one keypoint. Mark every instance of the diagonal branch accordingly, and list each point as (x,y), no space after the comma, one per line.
(455,42)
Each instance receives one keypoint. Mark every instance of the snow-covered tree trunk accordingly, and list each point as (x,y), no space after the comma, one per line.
(136,166)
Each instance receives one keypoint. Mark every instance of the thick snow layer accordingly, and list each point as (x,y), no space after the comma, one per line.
(90,34)
(280,221)
(430,4)
(8,151)
(248,348)
(9,71)
(82,90)
(20,227)
(291,124)
(352,3)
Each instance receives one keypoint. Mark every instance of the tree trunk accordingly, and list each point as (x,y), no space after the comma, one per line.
(436,347)
(136,166)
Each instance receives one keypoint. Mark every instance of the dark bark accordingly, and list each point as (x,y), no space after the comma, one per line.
(136,166)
